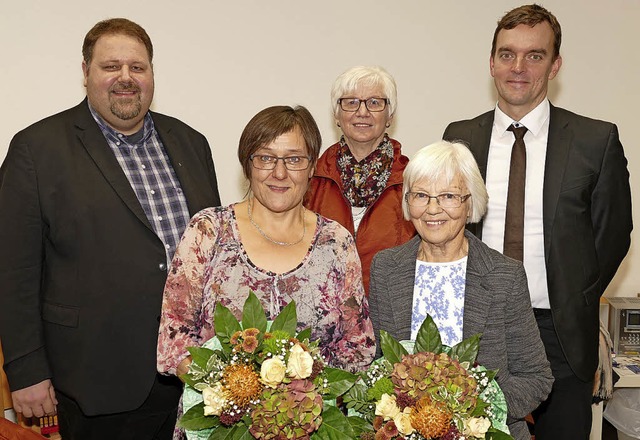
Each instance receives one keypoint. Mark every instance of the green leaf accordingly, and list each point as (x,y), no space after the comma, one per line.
(480,408)
(335,426)
(495,434)
(391,349)
(253,315)
(239,431)
(287,320)
(339,382)
(304,334)
(225,324)
(186,378)
(195,420)
(491,374)
(428,337)
(359,425)
(356,399)
(466,350)
(200,355)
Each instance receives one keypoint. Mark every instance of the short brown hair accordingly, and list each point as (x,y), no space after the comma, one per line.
(530,15)
(275,121)
(115,26)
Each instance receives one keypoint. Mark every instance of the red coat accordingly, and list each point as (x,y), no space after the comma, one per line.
(383,225)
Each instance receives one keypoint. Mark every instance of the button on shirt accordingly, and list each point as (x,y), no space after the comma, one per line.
(537,123)
(148,169)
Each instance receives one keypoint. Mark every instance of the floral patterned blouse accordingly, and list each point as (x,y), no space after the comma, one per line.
(211,266)
(438,291)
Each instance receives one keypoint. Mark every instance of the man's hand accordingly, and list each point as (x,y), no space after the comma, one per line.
(37,400)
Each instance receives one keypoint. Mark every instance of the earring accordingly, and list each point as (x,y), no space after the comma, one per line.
(387,125)
(338,124)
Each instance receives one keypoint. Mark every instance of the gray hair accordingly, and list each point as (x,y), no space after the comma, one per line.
(447,159)
(349,81)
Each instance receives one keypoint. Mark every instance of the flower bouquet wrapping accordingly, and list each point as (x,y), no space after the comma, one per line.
(261,379)
(427,390)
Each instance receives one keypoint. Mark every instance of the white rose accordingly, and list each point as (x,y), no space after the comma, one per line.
(300,363)
(214,400)
(272,372)
(476,426)
(387,407)
(403,422)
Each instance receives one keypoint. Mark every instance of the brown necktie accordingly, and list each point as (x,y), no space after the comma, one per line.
(514,218)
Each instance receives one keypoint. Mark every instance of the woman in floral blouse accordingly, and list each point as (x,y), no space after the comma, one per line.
(270,244)
(358,181)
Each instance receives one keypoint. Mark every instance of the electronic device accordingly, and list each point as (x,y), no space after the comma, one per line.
(624,325)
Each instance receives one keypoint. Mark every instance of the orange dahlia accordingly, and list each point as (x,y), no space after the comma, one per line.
(430,418)
(241,383)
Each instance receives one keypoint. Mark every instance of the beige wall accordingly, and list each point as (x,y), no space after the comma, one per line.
(218,63)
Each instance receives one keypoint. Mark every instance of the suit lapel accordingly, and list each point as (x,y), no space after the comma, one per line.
(180,163)
(481,140)
(476,306)
(480,143)
(405,274)
(558,145)
(96,145)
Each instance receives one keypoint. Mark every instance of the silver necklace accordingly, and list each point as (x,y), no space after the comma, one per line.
(279,243)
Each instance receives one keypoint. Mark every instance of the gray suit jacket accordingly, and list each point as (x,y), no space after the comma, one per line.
(586,219)
(496,304)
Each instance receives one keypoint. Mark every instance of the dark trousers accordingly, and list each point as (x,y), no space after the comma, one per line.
(566,414)
(154,420)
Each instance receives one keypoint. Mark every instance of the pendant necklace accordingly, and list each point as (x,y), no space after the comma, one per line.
(279,243)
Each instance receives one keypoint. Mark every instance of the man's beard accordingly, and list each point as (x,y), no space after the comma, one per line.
(127,108)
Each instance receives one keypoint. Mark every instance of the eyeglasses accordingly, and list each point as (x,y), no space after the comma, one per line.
(445,200)
(372,104)
(292,163)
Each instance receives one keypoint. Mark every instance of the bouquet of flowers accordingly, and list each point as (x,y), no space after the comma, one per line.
(259,378)
(425,390)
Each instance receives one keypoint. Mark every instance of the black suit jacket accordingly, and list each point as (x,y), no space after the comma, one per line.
(586,220)
(81,270)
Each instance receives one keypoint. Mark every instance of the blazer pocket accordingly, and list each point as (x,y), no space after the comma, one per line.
(67,316)
(576,183)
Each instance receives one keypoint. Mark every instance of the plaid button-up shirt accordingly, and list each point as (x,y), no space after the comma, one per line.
(148,169)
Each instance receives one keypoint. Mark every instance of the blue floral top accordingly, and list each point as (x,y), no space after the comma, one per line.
(439,291)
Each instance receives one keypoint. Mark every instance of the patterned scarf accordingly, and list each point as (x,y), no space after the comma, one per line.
(364,181)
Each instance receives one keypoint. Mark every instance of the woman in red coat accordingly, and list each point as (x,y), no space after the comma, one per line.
(358,180)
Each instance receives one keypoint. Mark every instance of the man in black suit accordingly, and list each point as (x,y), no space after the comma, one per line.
(577,207)
(93,201)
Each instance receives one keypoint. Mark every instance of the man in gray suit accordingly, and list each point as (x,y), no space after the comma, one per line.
(93,202)
(577,207)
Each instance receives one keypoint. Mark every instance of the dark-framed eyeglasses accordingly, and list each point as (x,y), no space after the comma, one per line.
(419,199)
(372,104)
(268,162)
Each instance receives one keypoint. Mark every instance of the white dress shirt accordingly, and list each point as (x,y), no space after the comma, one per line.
(497,180)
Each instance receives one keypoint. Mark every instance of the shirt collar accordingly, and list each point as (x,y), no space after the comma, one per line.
(535,120)
(115,136)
